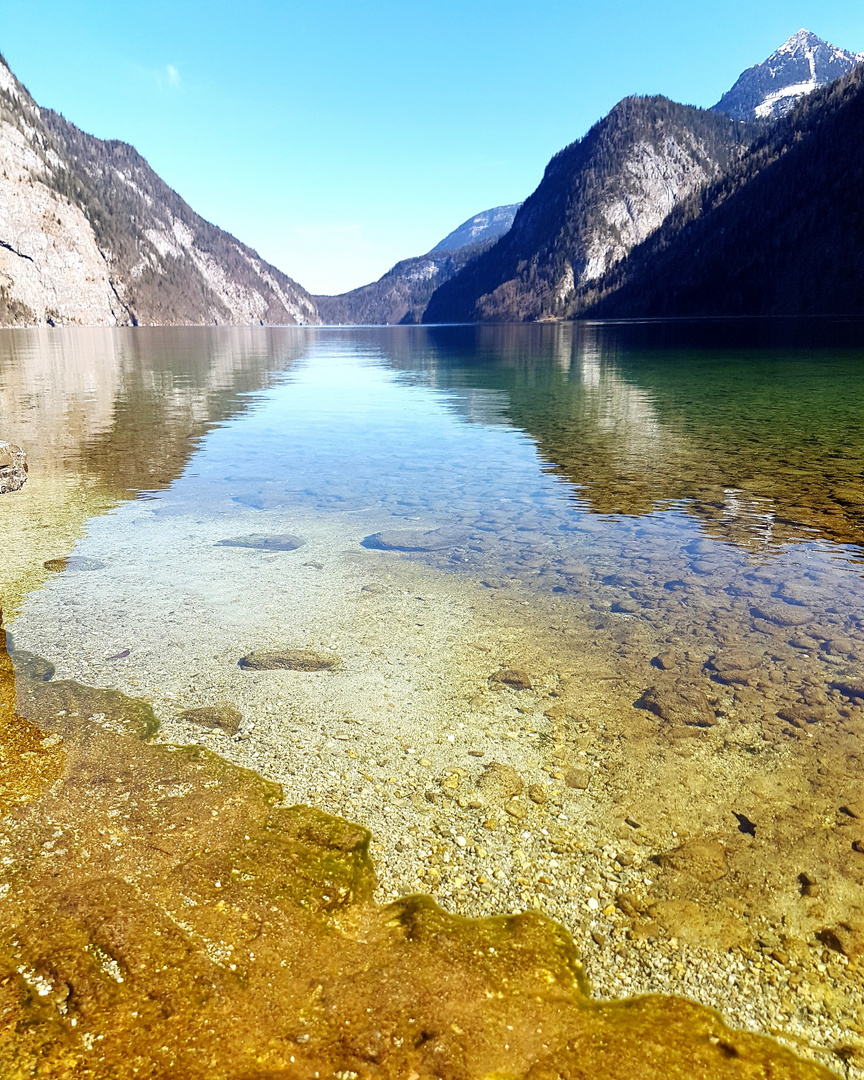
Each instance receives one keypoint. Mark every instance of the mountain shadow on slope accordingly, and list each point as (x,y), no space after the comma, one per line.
(599,197)
(782,234)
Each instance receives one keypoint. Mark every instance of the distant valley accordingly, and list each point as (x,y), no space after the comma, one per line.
(403,293)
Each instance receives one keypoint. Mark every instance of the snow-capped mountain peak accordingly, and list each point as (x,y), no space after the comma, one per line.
(802,64)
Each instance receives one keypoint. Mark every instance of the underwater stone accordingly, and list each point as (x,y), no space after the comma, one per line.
(13,467)
(289,660)
(74,563)
(223,717)
(411,540)
(261,542)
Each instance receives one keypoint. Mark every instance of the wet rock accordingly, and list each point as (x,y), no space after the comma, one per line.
(512,677)
(800,716)
(704,860)
(697,925)
(499,781)
(845,938)
(736,667)
(782,614)
(679,705)
(412,540)
(579,779)
(13,467)
(851,688)
(289,660)
(224,717)
(664,660)
(74,564)
(264,542)
(30,666)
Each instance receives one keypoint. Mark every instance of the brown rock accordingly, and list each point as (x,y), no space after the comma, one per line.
(289,660)
(537,794)
(736,667)
(851,688)
(697,925)
(224,717)
(704,860)
(499,781)
(517,809)
(577,778)
(782,614)
(679,705)
(512,677)
(845,938)
(800,716)
(13,467)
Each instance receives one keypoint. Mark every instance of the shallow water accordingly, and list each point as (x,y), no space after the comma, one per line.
(624,561)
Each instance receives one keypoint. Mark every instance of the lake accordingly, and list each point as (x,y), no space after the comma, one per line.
(571,617)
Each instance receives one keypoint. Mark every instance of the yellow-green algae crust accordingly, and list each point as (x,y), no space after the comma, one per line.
(162,916)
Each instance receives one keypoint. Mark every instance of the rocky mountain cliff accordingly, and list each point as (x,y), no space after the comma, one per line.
(599,197)
(801,64)
(401,295)
(89,234)
(781,234)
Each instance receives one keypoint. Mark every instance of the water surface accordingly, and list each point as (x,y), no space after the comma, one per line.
(622,562)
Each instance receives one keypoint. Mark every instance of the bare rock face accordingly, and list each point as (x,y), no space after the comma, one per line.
(13,467)
(90,235)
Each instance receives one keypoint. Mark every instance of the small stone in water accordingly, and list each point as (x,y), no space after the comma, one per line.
(289,660)
(515,679)
(224,717)
(577,778)
(74,563)
(261,542)
(500,781)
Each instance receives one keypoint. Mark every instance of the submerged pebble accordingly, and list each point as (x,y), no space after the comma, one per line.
(74,563)
(289,660)
(262,542)
(223,717)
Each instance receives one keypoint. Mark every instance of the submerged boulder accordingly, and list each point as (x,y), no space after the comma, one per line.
(13,467)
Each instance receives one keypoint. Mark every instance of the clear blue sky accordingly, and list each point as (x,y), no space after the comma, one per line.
(338,136)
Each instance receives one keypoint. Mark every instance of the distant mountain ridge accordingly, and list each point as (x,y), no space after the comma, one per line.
(483,227)
(801,65)
(89,234)
(401,295)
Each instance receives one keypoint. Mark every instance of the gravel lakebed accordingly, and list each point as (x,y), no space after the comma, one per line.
(487,735)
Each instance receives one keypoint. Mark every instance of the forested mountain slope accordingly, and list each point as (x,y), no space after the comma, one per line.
(781,234)
(599,197)
(90,234)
